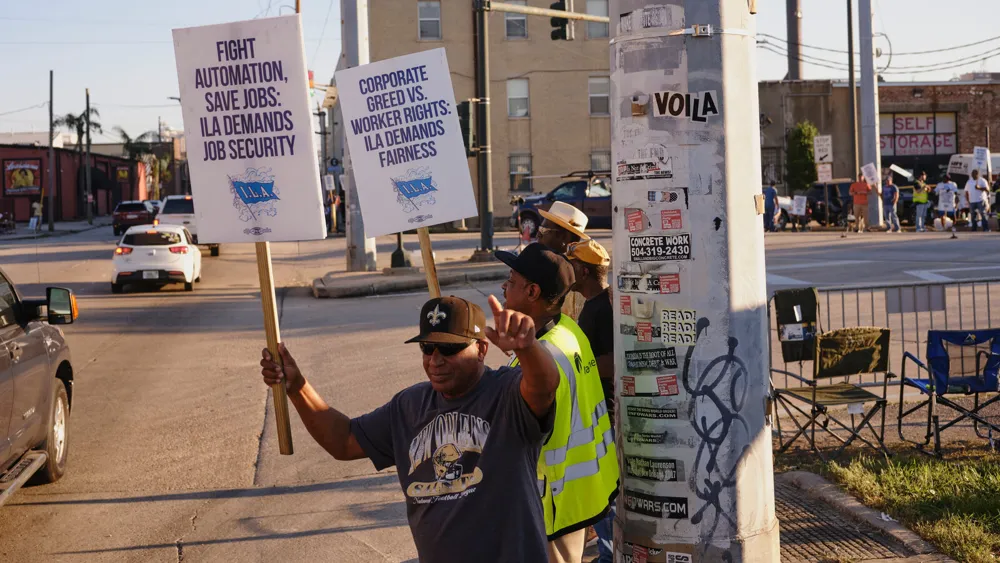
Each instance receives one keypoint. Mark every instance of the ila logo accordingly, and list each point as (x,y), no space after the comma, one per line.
(254,194)
(697,107)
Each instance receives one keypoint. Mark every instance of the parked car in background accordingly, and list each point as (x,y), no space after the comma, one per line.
(156,256)
(179,210)
(129,214)
(589,191)
(838,193)
(36,386)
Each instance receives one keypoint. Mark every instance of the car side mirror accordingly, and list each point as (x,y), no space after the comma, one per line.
(61,303)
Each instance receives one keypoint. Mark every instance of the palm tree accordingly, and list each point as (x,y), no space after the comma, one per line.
(78,124)
(135,148)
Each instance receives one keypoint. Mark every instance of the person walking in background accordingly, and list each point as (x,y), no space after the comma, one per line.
(920,195)
(946,192)
(976,192)
(890,197)
(771,208)
(36,215)
(859,196)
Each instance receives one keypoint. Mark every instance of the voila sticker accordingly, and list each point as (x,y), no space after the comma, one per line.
(697,107)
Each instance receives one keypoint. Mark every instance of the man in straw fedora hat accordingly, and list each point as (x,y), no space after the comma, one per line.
(561,226)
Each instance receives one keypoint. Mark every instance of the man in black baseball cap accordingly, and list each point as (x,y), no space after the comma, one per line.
(464,442)
(538,283)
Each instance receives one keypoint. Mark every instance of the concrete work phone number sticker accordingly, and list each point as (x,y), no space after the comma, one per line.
(657,248)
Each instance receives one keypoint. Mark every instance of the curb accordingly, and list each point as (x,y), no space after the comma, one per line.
(821,489)
(55,234)
(388,286)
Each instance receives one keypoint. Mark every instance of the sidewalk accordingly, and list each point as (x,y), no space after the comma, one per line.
(62,228)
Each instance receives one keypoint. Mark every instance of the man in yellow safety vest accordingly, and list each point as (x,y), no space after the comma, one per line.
(578,467)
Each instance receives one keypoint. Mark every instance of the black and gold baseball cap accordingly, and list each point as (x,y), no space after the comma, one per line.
(541,265)
(450,320)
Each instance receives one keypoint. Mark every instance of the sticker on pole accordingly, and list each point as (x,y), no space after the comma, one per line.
(659,248)
(406,144)
(245,100)
(654,469)
(656,506)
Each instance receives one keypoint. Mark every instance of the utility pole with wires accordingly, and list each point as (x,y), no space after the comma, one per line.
(89,195)
(52,158)
(853,81)
(871,149)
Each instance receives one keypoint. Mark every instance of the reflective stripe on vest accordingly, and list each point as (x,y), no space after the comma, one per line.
(584,468)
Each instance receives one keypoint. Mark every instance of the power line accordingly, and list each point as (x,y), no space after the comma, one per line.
(906,54)
(769,48)
(36,106)
(329,9)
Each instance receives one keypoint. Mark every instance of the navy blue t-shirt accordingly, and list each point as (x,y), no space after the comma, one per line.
(467,466)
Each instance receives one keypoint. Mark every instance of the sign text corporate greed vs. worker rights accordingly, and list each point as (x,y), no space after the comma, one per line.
(244,94)
(406,145)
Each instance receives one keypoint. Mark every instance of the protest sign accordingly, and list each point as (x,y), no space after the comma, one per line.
(980,160)
(406,143)
(244,96)
(254,169)
(799,204)
(871,173)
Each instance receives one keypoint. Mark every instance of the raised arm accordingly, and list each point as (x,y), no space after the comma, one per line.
(328,426)
(515,332)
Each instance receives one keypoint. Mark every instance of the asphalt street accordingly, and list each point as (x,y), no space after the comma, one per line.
(173,454)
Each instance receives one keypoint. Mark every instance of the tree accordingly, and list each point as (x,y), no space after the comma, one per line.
(78,124)
(800,167)
(135,148)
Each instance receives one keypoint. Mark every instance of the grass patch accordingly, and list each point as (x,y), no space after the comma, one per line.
(953,503)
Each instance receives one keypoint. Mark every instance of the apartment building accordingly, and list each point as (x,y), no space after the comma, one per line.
(549,99)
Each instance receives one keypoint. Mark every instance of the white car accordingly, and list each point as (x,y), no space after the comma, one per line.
(156,255)
(179,210)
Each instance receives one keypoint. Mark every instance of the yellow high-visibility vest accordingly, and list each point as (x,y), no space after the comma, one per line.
(578,467)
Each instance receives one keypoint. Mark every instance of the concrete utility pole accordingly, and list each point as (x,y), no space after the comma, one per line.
(691,364)
(871,150)
(793,22)
(360,250)
(87,185)
(52,159)
(856,166)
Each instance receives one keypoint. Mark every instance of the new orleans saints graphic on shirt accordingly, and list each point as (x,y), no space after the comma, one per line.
(451,445)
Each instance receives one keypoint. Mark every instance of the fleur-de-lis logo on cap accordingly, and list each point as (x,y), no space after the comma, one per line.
(436,316)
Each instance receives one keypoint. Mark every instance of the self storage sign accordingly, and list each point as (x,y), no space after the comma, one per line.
(659,248)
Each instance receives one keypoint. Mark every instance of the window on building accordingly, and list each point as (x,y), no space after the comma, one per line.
(429,19)
(600,160)
(516,24)
(520,172)
(517,97)
(600,91)
(597,8)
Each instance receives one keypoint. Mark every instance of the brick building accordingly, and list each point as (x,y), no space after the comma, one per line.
(921,124)
(550,109)
(25,177)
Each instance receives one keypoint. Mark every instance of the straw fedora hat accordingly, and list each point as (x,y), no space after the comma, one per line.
(567,217)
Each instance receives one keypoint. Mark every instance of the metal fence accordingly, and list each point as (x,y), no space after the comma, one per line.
(909,311)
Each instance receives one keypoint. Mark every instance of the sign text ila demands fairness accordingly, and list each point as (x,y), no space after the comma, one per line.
(244,95)
(406,145)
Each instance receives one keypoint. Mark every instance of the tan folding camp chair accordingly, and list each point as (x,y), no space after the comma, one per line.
(844,352)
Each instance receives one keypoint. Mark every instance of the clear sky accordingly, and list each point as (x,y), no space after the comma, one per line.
(124,54)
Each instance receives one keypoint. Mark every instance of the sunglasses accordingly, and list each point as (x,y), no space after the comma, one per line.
(446,350)
(546,230)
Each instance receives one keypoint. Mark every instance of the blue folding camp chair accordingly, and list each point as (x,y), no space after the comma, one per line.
(959,362)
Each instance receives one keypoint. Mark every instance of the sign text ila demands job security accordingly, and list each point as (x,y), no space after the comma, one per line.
(406,146)
(244,95)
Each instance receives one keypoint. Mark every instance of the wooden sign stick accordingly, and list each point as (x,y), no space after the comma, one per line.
(273,334)
(430,270)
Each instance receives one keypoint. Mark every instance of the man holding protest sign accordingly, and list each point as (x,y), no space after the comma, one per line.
(465,443)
